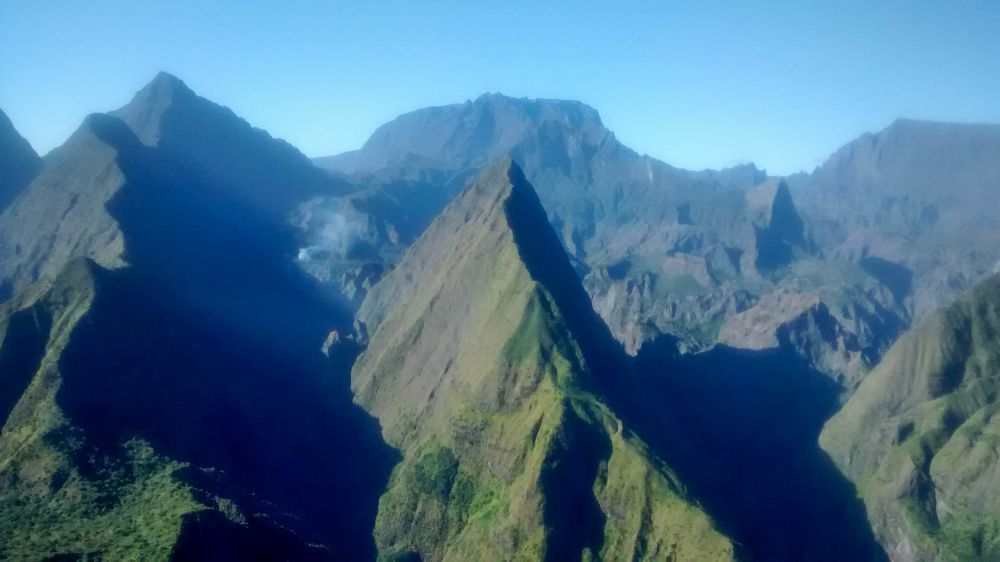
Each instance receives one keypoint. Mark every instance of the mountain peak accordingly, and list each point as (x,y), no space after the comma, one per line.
(483,340)
(64,213)
(778,227)
(164,81)
(146,111)
(502,180)
(219,145)
(477,214)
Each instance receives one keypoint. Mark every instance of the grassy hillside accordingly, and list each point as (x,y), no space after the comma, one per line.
(920,436)
(477,374)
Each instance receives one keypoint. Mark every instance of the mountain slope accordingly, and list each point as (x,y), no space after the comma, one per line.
(483,367)
(244,166)
(919,437)
(188,376)
(19,163)
(42,460)
(77,182)
(219,146)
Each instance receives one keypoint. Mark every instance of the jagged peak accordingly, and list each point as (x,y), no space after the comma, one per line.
(163,86)
(166,79)
(499,180)
(768,195)
(502,205)
(783,196)
(144,112)
(778,227)
(503,182)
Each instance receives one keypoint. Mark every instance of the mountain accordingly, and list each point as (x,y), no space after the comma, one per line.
(245,166)
(582,169)
(919,437)
(213,349)
(162,385)
(215,143)
(63,213)
(885,231)
(470,135)
(612,208)
(19,163)
(914,204)
(660,250)
(484,367)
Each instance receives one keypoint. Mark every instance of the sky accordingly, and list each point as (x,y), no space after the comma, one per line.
(698,84)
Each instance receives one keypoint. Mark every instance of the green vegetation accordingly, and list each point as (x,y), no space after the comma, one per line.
(920,437)
(130,511)
(508,454)
(57,494)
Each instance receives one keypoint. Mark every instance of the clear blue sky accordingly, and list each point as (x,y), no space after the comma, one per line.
(698,84)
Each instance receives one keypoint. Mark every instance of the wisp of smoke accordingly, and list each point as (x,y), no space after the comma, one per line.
(333,231)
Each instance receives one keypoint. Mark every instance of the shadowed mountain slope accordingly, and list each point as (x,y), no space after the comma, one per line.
(739,428)
(484,367)
(63,213)
(177,406)
(242,165)
(213,142)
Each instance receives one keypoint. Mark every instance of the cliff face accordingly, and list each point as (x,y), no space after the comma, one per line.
(78,181)
(484,367)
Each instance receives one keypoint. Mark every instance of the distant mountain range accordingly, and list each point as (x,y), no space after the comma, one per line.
(850,248)
(492,332)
